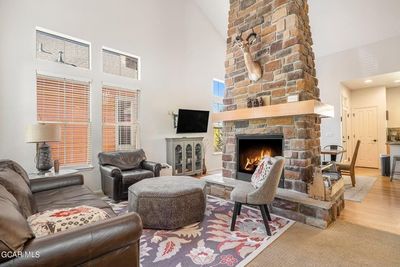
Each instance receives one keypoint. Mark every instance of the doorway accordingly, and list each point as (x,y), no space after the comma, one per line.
(365,129)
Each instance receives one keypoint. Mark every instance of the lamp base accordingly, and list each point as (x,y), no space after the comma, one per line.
(43,158)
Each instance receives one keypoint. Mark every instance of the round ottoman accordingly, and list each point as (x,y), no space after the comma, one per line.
(168,202)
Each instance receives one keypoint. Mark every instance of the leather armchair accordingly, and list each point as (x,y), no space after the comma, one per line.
(119,170)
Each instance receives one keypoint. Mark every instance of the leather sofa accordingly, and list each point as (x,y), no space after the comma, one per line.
(120,170)
(112,242)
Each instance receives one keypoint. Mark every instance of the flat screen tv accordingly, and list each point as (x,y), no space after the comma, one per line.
(192,121)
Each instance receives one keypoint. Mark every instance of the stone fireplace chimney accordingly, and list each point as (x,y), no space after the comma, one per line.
(280,44)
(283,49)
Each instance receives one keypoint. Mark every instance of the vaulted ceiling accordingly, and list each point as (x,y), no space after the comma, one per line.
(336,25)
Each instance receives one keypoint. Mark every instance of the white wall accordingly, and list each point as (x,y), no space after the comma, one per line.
(393,106)
(369,60)
(181,53)
(371,97)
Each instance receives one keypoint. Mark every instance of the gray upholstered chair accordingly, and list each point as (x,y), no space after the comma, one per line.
(246,193)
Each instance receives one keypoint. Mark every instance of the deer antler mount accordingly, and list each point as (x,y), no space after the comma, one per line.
(254,69)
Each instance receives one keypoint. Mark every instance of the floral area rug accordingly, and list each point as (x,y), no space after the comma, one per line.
(210,242)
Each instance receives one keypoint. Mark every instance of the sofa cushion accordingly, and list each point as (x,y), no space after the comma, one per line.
(262,171)
(14,229)
(69,197)
(133,176)
(18,187)
(124,160)
(17,168)
(59,220)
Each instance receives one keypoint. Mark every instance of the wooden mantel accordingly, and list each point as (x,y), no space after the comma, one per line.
(308,107)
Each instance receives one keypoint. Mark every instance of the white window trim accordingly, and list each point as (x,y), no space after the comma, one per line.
(62,35)
(125,54)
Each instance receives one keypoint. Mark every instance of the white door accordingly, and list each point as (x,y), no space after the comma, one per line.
(365,129)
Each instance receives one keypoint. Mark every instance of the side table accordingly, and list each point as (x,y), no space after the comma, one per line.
(52,174)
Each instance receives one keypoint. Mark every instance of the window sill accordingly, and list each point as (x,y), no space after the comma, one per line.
(79,168)
(217,153)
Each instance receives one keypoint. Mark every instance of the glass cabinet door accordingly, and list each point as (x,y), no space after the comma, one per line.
(178,159)
(189,158)
(198,157)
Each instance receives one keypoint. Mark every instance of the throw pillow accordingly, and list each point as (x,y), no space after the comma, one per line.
(17,186)
(262,171)
(58,220)
(14,229)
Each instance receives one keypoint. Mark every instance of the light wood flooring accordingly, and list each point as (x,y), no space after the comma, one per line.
(381,207)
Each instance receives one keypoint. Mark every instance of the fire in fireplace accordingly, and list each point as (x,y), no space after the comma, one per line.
(251,149)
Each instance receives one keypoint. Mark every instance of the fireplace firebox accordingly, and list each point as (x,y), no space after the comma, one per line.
(251,149)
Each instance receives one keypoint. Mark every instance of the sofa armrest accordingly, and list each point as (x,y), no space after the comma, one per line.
(111,171)
(152,166)
(86,244)
(111,180)
(49,183)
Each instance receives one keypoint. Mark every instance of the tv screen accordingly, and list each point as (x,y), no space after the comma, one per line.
(192,121)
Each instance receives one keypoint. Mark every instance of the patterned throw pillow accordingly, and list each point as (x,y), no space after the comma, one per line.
(261,172)
(58,220)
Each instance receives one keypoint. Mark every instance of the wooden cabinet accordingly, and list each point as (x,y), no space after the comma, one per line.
(185,155)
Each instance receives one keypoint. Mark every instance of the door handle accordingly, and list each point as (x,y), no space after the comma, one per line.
(375,140)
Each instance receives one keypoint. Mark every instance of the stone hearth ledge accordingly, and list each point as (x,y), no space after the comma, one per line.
(288,203)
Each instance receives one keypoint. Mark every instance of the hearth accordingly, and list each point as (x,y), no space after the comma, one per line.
(251,149)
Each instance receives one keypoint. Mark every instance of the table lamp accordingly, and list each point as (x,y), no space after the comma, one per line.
(40,134)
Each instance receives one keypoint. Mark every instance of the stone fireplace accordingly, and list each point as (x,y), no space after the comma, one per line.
(251,149)
(284,50)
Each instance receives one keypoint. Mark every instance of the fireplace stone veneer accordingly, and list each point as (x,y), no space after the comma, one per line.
(284,50)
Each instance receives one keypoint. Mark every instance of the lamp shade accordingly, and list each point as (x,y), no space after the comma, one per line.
(39,133)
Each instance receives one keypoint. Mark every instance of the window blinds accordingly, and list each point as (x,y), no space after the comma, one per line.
(120,119)
(67,103)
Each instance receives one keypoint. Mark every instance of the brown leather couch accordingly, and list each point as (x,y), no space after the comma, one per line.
(112,242)
(120,170)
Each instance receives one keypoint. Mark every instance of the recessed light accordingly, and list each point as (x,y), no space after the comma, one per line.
(368,81)
(397,81)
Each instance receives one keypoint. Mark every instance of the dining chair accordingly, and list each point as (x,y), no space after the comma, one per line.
(336,158)
(349,169)
(261,193)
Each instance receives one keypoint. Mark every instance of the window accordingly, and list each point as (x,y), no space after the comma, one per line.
(59,48)
(218,106)
(121,64)
(67,103)
(120,119)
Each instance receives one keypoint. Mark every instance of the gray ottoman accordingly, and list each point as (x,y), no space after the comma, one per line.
(168,202)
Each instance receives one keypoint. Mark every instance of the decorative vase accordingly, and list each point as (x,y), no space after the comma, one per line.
(260,102)
(249,102)
(255,102)
(56,166)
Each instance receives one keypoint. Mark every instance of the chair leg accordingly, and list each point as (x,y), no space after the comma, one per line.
(353,178)
(393,170)
(267,211)
(265,219)
(239,209)
(235,212)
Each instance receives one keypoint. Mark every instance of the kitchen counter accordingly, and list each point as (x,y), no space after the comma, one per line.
(394,143)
